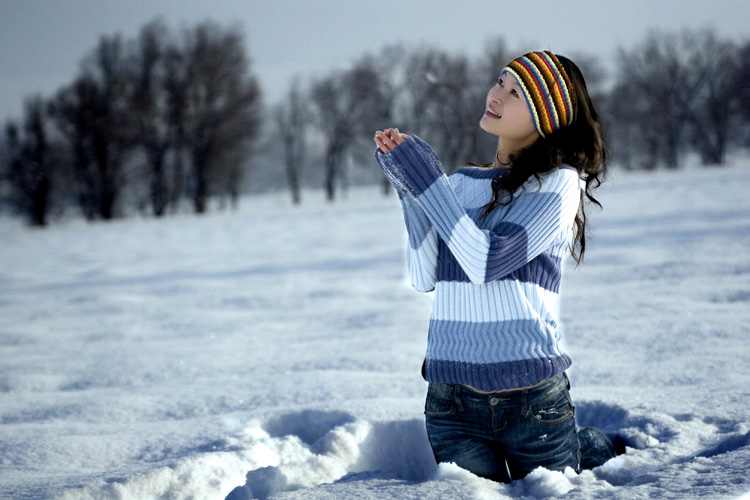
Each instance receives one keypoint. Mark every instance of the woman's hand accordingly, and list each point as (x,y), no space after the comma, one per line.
(389,139)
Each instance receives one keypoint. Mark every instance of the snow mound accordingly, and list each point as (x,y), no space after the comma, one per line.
(396,450)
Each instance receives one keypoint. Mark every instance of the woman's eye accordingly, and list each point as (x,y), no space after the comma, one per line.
(514,92)
(500,81)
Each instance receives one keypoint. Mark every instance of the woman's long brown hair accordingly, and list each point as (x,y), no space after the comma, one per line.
(580,145)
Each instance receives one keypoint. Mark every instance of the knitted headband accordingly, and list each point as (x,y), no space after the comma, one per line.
(547,90)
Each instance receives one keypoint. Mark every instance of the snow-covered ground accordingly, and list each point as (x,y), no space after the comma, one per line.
(275,352)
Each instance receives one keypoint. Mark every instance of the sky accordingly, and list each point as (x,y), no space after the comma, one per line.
(43,41)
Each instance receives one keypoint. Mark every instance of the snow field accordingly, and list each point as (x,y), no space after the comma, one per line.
(275,352)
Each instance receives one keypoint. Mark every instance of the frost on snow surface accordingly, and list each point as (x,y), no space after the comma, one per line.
(274,353)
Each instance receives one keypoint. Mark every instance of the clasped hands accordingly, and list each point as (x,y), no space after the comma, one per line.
(388,139)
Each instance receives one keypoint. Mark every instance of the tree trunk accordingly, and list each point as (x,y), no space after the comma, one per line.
(159,195)
(333,163)
(40,201)
(200,192)
(292,175)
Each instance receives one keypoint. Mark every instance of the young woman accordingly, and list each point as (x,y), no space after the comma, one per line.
(490,242)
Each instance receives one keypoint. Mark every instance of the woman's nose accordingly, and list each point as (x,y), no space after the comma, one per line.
(495,96)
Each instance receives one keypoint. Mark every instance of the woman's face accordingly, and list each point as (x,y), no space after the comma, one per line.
(507,114)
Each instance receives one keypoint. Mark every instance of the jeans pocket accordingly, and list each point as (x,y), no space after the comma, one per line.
(552,411)
(441,400)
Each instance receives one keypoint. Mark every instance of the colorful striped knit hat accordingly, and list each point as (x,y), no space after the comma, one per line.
(547,89)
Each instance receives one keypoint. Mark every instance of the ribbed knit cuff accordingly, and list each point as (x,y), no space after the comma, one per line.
(412,164)
(400,189)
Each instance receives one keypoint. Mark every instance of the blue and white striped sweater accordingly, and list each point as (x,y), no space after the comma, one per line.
(495,314)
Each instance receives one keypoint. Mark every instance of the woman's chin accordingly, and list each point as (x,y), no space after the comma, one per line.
(486,126)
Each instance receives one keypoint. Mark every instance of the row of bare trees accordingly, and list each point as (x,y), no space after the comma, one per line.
(679,92)
(170,116)
(421,90)
(175,117)
(672,94)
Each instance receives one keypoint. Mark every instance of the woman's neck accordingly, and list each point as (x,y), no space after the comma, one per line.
(504,158)
(508,149)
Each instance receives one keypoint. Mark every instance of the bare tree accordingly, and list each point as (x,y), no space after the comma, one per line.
(335,123)
(349,106)
(28,165)
(176,82)
(670,76)
(94,115)
(292,117)
(72,110)
(391,67)
(742,84)
(150,107)
(113,127)
(455,108)
(5,159)
(717,101)
(223,109)
(421,75)
(658,71)
(370,89)
(623,107)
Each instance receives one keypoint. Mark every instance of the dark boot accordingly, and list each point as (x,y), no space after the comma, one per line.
(595,448)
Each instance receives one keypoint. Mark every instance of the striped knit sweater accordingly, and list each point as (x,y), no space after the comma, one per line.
(495,313)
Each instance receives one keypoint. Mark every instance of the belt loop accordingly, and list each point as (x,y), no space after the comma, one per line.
(457,397)
(525,409)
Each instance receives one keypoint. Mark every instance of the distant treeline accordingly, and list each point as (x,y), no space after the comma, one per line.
(170,116)
(169,120)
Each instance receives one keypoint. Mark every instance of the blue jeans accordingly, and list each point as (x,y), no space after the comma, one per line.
(504,436)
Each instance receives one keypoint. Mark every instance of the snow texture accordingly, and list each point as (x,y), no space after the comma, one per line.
(274,353)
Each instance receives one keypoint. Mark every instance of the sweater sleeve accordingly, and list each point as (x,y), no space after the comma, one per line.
(532,223)
(422,250)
